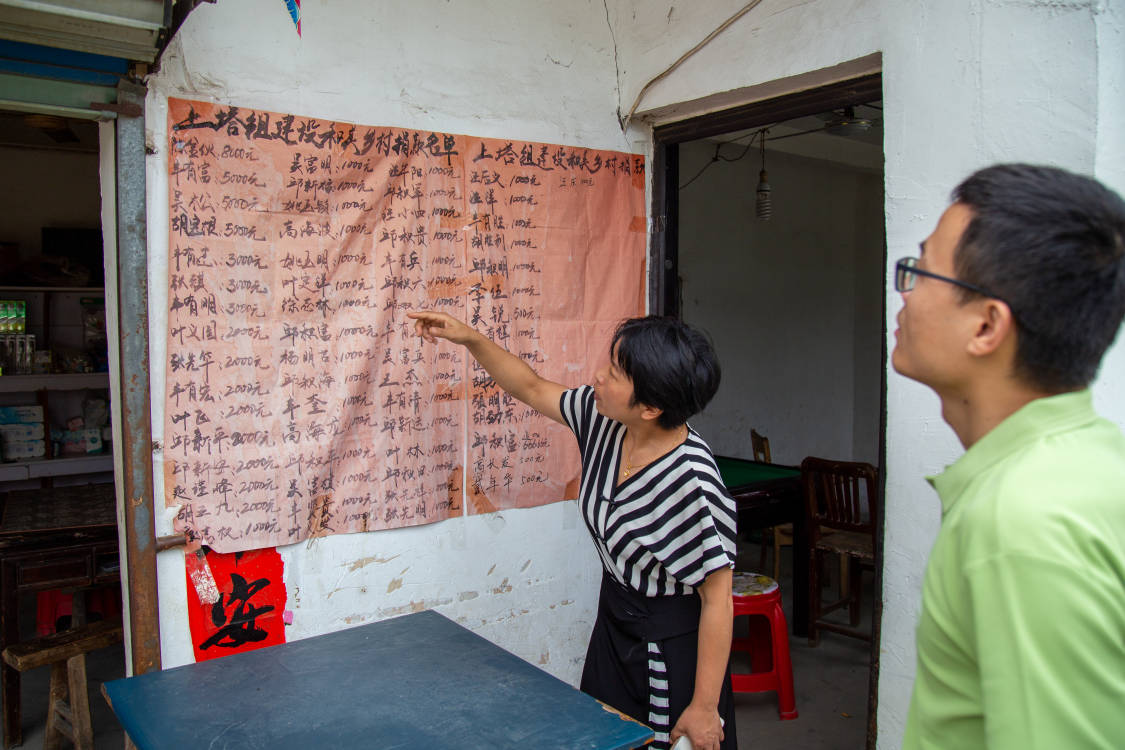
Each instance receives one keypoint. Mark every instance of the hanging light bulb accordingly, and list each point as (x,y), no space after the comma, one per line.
(763,205)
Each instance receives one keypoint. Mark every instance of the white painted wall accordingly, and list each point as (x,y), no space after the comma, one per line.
(1109,167)
(966,83)
(542,71)
(42,188)
(793,304)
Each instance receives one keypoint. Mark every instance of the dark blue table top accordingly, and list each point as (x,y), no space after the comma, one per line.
(418,681)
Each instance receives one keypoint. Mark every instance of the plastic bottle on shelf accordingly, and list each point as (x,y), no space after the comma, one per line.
(28,353)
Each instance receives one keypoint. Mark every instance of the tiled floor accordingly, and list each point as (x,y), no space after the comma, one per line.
(830,682)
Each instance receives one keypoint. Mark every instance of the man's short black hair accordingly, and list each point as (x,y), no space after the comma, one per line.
(672,365)
(1051,244)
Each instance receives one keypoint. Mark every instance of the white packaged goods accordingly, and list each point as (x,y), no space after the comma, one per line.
(20,414)
(77,442)
(19,450)
(23,431)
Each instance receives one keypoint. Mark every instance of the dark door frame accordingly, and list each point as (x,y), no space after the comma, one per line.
(664,249)
(663,281)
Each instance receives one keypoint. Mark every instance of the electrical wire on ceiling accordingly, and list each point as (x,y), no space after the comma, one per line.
(719,157)
(828,127)
(644,89)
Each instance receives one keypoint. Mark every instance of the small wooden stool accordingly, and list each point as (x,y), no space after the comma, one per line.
(68,705)
(759,597)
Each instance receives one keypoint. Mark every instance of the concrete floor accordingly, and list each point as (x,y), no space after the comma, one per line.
(830,682)
(101,666)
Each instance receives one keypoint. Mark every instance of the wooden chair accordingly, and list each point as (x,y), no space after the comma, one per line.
(760,448)
(68,702)
(840,498)
(782,535)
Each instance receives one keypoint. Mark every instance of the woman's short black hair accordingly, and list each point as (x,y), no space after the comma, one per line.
(1051,244)
(673,366)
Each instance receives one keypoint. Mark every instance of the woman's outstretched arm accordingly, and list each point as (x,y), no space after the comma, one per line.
(509,371)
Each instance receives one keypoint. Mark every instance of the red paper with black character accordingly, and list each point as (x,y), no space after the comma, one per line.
(248,613)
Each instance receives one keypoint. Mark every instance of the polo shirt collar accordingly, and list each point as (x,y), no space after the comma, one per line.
(1027,424)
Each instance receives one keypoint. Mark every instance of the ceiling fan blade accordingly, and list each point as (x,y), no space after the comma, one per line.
(54,127)
(65,135)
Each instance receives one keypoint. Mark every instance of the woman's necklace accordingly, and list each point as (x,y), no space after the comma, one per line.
(629,468)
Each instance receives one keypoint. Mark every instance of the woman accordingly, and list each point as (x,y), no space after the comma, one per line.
(661,519)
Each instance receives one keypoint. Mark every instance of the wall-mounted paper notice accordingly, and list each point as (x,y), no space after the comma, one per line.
(298,401)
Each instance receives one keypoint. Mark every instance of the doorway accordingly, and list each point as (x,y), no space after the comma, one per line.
(789,280)
(61,560)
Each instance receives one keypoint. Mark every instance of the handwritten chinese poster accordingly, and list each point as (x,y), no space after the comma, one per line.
(299,401)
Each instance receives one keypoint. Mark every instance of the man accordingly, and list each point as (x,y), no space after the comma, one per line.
(1006,315)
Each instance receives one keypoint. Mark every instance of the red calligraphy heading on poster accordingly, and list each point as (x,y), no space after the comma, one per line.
(298,401)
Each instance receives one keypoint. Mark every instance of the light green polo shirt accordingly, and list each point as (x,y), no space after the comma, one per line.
(1021,642)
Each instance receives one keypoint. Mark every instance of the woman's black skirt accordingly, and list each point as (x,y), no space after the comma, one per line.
(641,659)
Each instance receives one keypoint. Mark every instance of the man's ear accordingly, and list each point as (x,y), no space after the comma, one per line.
(995,327)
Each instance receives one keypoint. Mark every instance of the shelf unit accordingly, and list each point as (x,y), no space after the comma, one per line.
(53,382)
(45,469)
(90,290)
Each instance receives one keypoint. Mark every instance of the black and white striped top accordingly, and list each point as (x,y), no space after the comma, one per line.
(665,528)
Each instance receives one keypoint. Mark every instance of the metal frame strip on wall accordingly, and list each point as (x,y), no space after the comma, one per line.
(139,532)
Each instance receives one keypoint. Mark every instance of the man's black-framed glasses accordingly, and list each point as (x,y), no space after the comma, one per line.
(907,273)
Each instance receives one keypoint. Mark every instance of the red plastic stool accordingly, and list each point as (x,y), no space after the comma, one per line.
(55,603)
(759,597)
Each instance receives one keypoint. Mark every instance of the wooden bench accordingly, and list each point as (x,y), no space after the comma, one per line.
(68,705)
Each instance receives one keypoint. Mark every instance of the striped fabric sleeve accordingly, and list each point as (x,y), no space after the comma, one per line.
(577,406)
(704,542)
